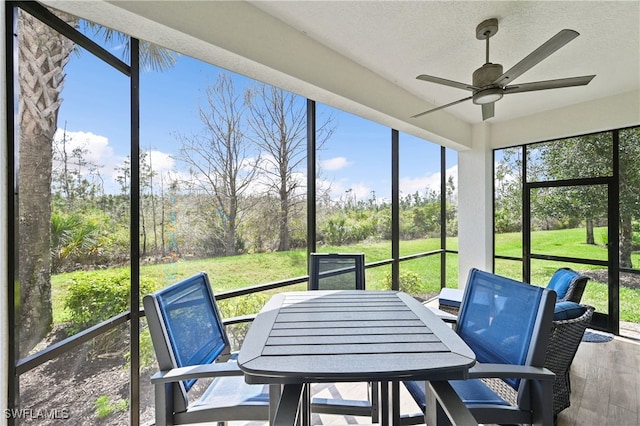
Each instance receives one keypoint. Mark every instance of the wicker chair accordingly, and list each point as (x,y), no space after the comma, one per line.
(564,339)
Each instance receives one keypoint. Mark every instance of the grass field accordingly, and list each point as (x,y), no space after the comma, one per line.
(228,273)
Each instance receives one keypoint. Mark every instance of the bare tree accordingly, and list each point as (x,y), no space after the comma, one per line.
(220,162)
(278,124)
(74,176)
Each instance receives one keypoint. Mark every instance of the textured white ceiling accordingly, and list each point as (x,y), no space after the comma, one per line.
(400,40)
(363,56)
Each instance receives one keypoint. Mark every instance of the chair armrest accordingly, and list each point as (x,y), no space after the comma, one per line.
(217,369)
(444,316)
(509,371)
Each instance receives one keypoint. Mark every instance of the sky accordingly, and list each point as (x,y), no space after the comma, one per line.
(95,115)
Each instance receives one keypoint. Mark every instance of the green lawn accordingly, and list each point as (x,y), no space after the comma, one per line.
(228,273)
(564,242)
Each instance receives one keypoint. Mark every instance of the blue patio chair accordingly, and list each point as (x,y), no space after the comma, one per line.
(336,271)
(341,271)
(568,284)
(507,324)
(190,343)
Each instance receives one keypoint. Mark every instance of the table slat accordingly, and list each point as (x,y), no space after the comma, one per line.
(347,324)
(347,331)
(369,348)
(345,316)
(308,339)
(339,308)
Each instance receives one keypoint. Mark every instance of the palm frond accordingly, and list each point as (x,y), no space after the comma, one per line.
(152,56)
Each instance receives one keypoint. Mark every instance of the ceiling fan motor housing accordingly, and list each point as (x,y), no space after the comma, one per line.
(486,75)
(483,78)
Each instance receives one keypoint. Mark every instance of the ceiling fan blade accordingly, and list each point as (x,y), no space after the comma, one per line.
(446,82)
(488,110)
(535,57)
(549,84)
(441,107)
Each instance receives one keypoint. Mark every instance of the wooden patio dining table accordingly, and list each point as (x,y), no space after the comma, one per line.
(353,336)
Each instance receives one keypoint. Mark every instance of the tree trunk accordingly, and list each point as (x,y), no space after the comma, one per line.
(626,234)
(163,250)
(590,239)
(284,238)
(230,243)
(42,55)
(143,231)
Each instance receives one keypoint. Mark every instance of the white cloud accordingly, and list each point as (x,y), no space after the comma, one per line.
(410,185)
(361,191)
(161,161)
(335,163)
(118,48)
(96,154)
(322,185)
(96,146)
(99,155)
(341,189)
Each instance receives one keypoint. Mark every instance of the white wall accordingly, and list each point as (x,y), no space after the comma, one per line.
(613,112)
(475,221)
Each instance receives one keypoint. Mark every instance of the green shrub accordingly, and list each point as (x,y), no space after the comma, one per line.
(99,295)
(409,282)
(87,238)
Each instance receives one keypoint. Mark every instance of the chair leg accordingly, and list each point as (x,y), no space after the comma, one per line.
(163,398)
(542,402)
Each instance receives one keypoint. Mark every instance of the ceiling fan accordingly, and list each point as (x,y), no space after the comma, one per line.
(490,84)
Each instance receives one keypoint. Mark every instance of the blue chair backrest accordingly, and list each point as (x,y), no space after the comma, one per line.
(336,271)
(499,316)
(561,281)
(190,323)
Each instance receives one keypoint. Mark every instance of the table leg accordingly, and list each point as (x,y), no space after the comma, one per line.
(395,403)
(305,402)
(374,387)
(384,405)
(288,412)
(275,391)
(389,403)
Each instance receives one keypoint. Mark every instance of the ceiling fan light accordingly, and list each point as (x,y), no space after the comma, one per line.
(487,96)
